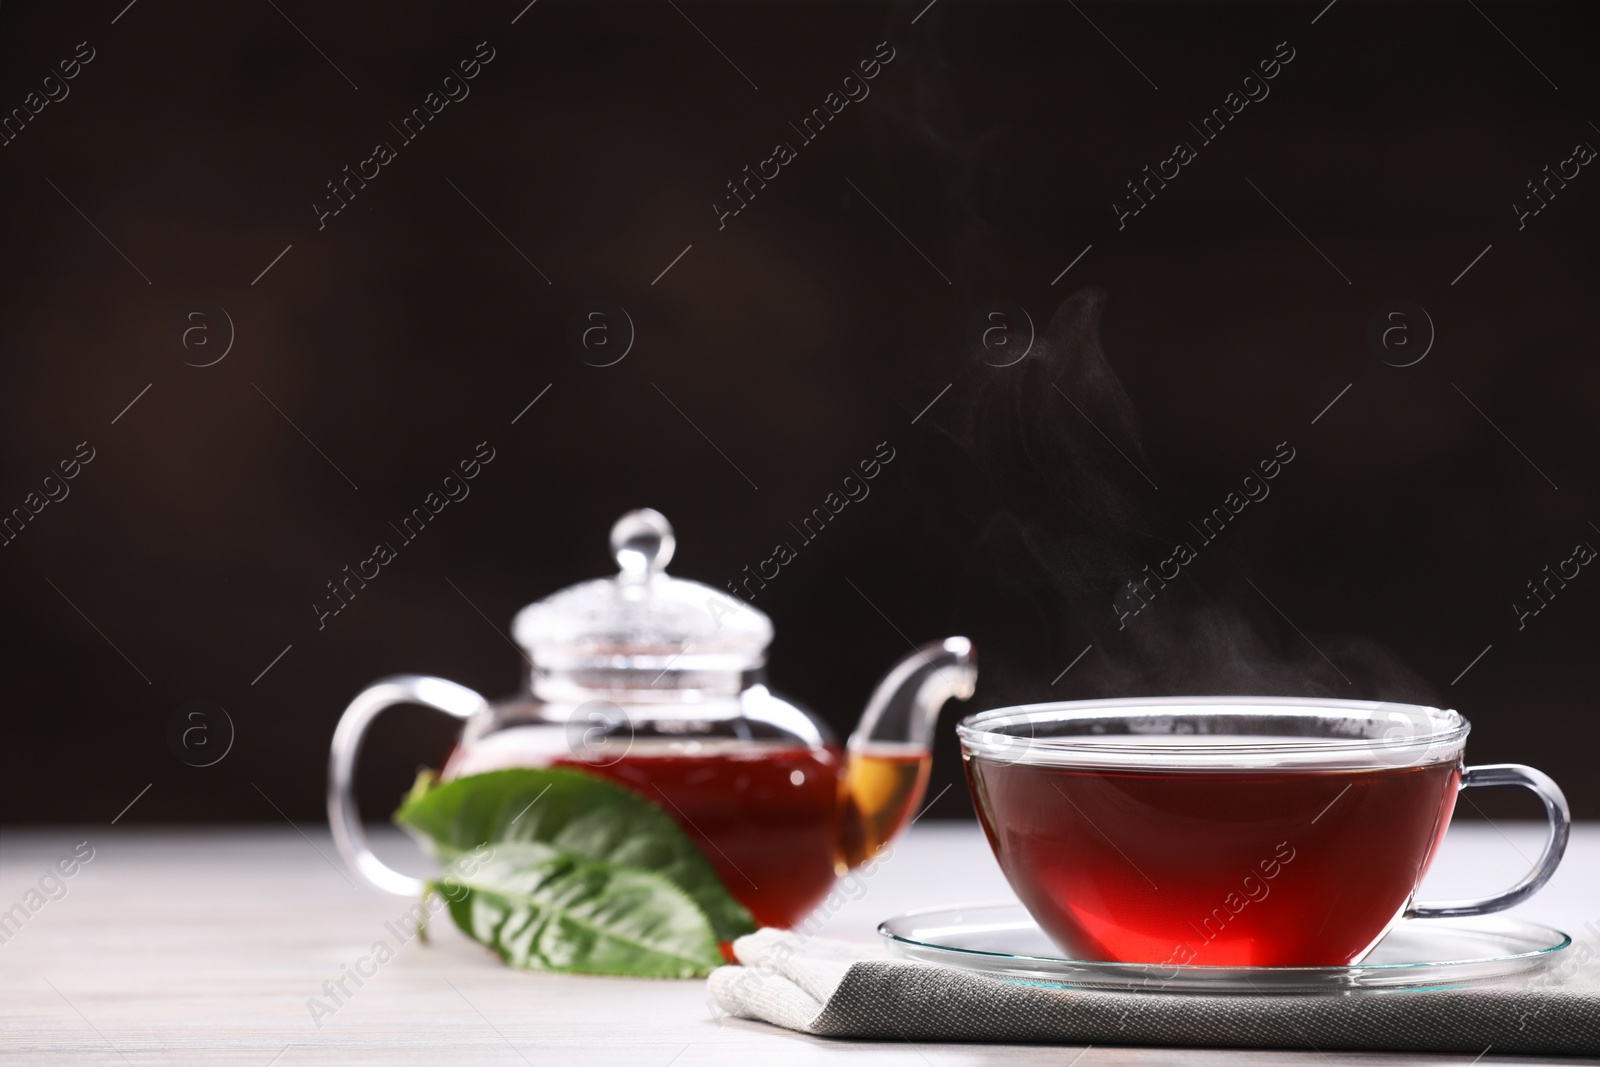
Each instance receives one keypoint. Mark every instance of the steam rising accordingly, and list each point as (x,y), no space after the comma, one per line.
(1072,523)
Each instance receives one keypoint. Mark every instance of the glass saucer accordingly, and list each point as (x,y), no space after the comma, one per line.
(1003,941)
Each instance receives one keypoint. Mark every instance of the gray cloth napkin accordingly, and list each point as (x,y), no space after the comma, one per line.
(841,989)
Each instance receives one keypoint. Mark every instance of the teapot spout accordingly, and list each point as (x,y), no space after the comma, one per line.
(891,751)
(905,706)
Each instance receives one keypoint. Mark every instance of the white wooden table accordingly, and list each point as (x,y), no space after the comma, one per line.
(204,946)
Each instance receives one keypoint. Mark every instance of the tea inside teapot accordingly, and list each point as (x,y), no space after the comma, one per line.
(779,822)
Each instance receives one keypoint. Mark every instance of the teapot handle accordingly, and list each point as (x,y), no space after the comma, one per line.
(343,818)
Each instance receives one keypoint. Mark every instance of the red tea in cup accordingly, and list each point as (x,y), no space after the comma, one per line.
(1225,832)
(1213,867)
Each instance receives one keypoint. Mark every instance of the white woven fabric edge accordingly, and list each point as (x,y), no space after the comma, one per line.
(784,978)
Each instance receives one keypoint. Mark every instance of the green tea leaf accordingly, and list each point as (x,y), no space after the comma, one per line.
(427,779)
(545,909)
(575,813)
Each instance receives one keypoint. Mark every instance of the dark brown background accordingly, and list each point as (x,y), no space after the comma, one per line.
(797,339)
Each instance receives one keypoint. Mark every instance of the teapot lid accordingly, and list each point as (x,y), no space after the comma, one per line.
(642,618)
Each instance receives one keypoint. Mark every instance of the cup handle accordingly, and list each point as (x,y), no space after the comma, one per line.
(343,818)
(1558,818)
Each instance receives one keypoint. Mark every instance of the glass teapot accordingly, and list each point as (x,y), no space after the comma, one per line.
(657,684)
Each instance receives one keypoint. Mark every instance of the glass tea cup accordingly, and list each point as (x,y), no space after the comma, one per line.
(1230,831)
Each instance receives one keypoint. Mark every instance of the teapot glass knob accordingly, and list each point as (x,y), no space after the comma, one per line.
(642,544)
